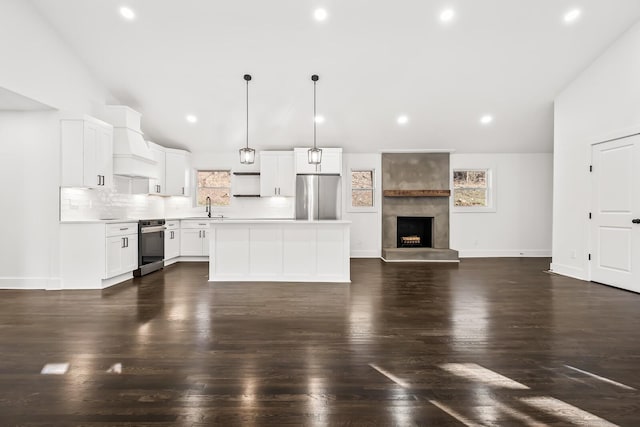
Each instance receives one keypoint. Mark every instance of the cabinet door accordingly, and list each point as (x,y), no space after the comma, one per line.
(331,162)
(171,244)
(269,181)
(302,162)
(157,183)
(92,175)
(205,242)
(104,158)
(176,173)
(115,246)
(191,242)
(130,254)
(286,175)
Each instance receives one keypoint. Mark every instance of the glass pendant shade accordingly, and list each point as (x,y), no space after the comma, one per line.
(315,156)
(247,156)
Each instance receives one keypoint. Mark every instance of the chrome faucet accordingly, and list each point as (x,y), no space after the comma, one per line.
(208,207)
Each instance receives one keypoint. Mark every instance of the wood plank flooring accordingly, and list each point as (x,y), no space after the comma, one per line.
(493,342)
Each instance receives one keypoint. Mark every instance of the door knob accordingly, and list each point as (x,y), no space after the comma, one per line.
(636,221)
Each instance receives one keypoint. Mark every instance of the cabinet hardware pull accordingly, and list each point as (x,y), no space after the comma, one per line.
(183,191)
(122,238)
(204,234)
(125,228)
(200,234)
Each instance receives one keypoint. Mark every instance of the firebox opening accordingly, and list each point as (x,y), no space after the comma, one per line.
(415,232)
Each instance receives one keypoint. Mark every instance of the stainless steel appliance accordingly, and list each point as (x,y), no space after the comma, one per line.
(150,246)
(318,197)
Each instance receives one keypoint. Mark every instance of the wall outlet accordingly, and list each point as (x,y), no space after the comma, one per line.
(573,254)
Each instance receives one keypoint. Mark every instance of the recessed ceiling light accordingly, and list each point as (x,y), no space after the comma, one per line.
(127,13)
(485,120)
(403,120)
(191,118)
(572,15)
(319,119)
(320,14)
(447,15)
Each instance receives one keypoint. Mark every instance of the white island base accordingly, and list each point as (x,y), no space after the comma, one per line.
(279,251)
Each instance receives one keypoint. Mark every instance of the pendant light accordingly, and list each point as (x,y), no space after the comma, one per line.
(247,155)
(315,153)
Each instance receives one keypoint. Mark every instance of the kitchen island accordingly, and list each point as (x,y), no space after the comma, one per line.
(279,251)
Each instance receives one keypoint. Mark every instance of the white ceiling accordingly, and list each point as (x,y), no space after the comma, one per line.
(376,60)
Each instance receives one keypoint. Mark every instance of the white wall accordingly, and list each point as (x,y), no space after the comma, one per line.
(36,62)
(29,167)
(521,222)
(602,103)
(366,228)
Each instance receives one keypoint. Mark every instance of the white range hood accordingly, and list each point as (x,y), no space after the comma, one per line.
(131,154)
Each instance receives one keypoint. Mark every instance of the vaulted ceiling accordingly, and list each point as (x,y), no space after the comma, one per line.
(376,60)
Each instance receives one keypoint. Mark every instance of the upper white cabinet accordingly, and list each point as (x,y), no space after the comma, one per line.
(157,183)
(178,172)
(277,174)
(331,162)
(87,153)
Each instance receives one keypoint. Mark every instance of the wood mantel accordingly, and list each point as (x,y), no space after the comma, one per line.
(416,193)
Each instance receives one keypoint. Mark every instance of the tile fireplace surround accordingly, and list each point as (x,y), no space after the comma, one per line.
(417,172)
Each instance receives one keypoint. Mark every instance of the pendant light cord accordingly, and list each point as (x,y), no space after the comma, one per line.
(314,114)
(247,113)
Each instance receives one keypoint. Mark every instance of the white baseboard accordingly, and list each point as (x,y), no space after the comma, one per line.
(420,260)
(365,254)
(192,259)
(509,253)
(569,271)
(30,283)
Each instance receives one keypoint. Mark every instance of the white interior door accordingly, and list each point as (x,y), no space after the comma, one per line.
(615,230)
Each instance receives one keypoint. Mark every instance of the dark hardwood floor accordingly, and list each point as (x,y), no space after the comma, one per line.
(488,342)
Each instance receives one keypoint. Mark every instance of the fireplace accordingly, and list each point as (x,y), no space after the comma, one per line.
(415,232)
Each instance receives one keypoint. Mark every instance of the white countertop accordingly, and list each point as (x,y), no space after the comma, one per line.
(100,221)
(279,221)
(214,220)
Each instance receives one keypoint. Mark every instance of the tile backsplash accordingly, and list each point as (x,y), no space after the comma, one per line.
(81,204)
(77,204)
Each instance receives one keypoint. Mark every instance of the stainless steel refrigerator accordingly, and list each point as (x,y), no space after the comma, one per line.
(318,197)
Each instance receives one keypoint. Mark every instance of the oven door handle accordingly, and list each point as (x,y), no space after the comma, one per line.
(152,229)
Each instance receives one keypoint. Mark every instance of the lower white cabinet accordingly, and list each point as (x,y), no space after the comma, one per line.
(194,238)
(172,240)
(97,255)
(122,255)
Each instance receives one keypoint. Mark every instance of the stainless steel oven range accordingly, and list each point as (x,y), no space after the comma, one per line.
(150,246)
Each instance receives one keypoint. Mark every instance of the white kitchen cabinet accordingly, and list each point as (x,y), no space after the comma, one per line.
(172,240)
(331,162)
(177,172)
(97,255)
(121,249)
(157,184)
(277,174)
(194,238)
(86,153)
